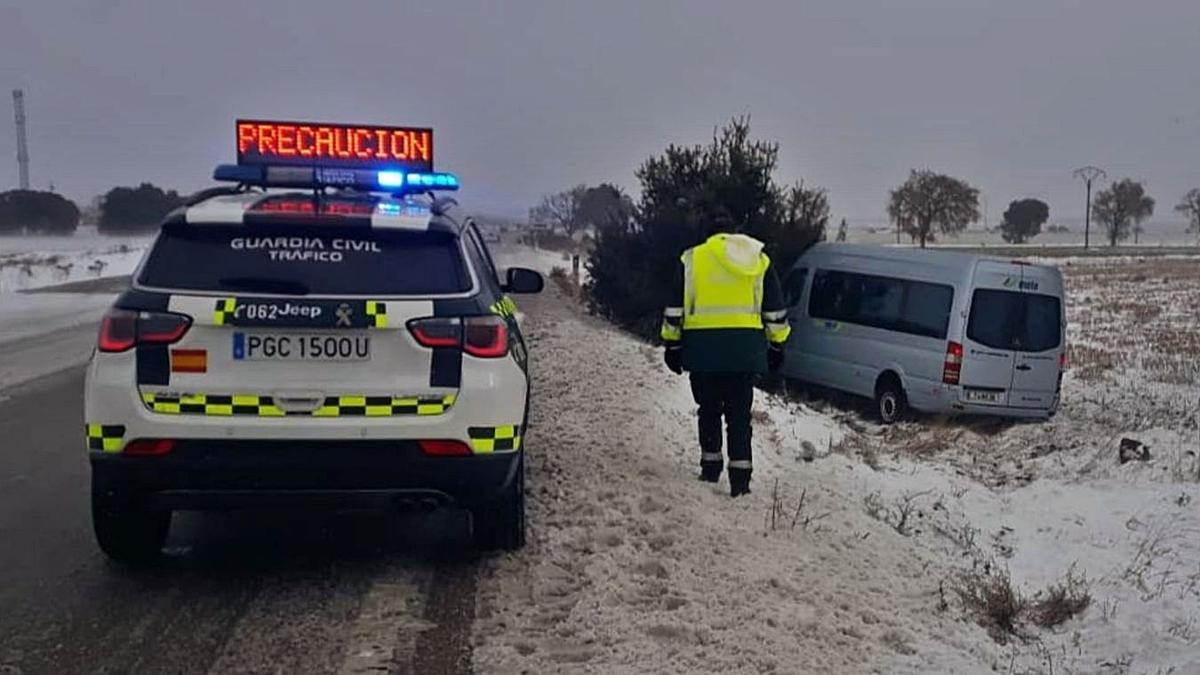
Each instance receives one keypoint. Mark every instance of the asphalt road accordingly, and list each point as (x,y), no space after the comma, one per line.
(255,592)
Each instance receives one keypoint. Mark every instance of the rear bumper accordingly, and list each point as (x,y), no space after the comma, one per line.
(948,399)
(217,474)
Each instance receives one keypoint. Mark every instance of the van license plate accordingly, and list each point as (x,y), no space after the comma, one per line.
(983,396)
(276,347)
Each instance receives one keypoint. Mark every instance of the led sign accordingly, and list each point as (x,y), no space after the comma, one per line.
(261,143)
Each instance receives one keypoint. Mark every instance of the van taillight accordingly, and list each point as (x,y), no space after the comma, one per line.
(122,329)
(952,367)
(1062,361)
(485,337)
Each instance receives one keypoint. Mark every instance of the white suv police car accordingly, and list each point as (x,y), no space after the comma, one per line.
(330,347)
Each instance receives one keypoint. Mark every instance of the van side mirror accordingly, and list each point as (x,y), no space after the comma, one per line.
(522,280)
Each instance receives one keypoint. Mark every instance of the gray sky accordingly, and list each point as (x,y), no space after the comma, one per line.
(531,96)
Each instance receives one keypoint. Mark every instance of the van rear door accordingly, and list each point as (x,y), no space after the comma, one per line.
(988,359)
(1037,338)
(1015,323)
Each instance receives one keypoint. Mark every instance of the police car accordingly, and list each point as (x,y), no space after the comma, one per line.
(344,342)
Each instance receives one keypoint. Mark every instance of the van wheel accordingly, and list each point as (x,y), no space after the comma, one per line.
(127,531)
(499,525)
(890,401)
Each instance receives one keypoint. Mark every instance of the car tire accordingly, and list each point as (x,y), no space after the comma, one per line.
(127,531)
(499,525)
(891,405)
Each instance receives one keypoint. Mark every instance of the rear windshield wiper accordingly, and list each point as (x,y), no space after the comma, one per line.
(264,285)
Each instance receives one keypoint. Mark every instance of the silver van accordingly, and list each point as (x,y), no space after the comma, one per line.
(935,331)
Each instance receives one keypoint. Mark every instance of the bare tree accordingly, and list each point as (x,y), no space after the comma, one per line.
(929,200)
(1190,207)
(561,210)
(1122,208)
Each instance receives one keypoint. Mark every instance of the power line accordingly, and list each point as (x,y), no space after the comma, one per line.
(1088,174)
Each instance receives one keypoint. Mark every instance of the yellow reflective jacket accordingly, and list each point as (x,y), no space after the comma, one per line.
(730,306)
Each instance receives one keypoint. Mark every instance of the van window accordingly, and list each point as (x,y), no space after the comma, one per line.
(902,305)
(793,287)
(927,309)
(1023,322)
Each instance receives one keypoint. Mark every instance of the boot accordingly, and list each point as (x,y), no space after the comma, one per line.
(710,472)
(739,482)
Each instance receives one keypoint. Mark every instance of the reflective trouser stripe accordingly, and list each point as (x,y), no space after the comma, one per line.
(711,457)
(775,316)
(740,464)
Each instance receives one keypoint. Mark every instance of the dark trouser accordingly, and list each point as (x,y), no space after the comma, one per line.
(727,395)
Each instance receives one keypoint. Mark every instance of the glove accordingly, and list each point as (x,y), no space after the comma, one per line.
(673,356)
(774,358)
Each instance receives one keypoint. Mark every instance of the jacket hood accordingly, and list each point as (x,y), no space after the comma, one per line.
(739,253)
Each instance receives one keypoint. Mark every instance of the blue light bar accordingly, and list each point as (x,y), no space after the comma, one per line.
(390,181)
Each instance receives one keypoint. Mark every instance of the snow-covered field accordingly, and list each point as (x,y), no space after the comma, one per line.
(859,561)
(34,262)
(30,263)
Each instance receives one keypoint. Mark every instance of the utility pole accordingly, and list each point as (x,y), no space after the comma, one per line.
(22,142)
(1088,174)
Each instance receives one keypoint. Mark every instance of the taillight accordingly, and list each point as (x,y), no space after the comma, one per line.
(952,367)
(1062,361)
(122,329)
(444,448)
(147,447)
(485,337)
(441,332)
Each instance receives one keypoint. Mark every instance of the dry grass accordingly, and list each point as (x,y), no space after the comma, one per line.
(1091,363)
(1001,608)
(997,605)
(1061,602)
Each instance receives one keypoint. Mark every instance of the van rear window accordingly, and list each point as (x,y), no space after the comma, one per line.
(306,259)
(1021,322)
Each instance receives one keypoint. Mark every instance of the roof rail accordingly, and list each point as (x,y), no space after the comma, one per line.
(209,193)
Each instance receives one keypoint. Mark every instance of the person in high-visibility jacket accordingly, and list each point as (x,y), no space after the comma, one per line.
(727,326)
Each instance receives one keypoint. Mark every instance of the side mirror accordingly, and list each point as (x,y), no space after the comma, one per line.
(522,280)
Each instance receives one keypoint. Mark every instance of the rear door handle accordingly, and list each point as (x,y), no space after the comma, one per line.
(1024,366)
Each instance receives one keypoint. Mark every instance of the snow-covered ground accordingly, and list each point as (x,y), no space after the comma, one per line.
(634,566)
(29,263)
(34,262)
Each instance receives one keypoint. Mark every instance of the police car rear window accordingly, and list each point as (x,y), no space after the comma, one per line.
(306,260)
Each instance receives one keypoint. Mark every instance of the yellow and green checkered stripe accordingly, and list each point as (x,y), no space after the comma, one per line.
(486,440)
(505,307)
(257,405)
(223,312)
(377,314)
(105,437)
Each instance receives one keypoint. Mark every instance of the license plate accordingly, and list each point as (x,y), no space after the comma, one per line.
(280,347)
(983,396)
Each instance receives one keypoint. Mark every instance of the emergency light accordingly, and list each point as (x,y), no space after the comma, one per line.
(308,155)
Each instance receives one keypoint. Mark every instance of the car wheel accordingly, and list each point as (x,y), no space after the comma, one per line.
(890,402)
(127,531)
(499,525)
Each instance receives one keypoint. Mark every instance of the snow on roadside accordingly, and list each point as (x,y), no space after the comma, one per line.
(635,566)
(26,315)
(33,262)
